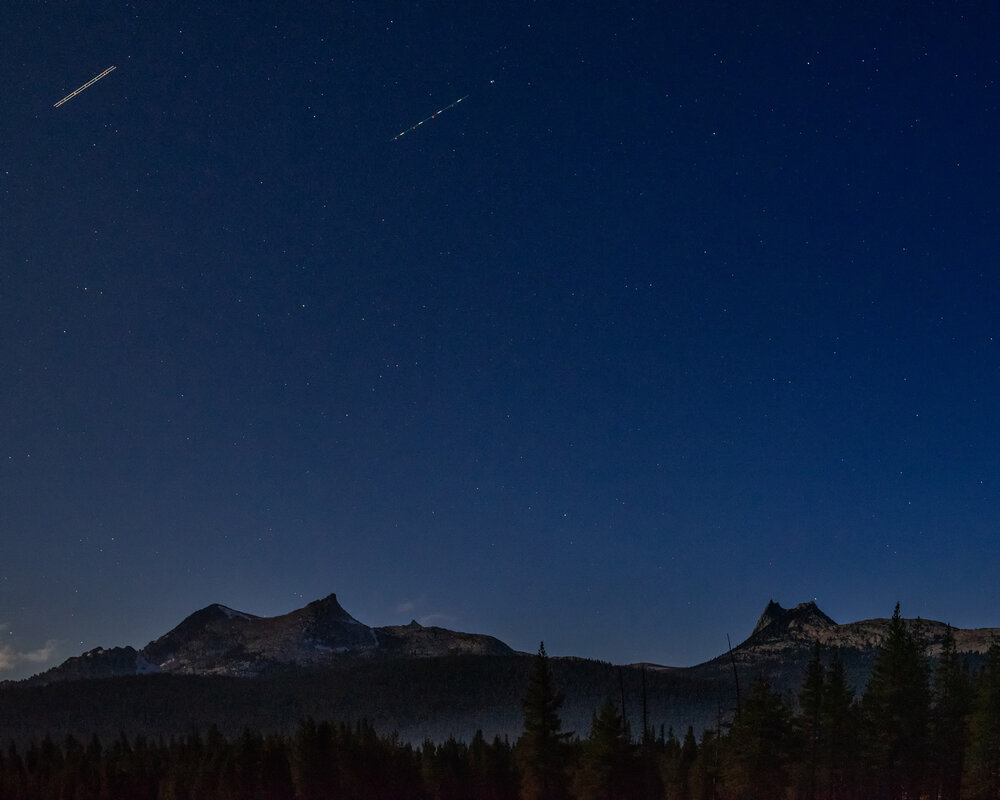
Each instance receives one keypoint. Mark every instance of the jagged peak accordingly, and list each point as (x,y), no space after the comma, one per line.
(231,613)
(776,616)
(772,613)
(329,608)
(205,615)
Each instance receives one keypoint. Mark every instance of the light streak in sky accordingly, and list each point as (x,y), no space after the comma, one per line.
(428,119)
(91,82)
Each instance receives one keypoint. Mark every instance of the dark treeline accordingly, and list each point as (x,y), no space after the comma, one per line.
(919,729)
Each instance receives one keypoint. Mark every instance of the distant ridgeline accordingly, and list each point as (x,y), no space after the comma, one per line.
(233,669)
(921,726)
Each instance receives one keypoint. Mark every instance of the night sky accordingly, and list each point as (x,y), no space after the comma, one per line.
(685,307)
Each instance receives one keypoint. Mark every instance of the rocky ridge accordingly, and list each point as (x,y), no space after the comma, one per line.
(224,666)
(218,640)
(805,624)
(784,639)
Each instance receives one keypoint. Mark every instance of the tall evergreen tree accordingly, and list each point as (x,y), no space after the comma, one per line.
(676,763)
(705,776)
(492,770)
(809,726)
(668,760)
(313,764)
(445,769)
(982,778)
(896,708)
(757,757)
(607,769)
(952,701)
(542,746)
(839,771)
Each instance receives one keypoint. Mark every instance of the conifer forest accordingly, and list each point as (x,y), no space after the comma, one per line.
(921,728)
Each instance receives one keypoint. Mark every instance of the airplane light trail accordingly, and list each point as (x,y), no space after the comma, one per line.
(428,119)
(91,82)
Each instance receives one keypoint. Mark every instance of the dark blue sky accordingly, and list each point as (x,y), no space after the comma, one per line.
(684,308)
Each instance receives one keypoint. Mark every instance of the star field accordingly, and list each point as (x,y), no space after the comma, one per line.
(677,311)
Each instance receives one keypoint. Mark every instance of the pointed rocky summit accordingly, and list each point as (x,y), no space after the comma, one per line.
(805,619)
(218,640)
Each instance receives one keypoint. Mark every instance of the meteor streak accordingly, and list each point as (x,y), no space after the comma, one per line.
(91,82)
(412,127)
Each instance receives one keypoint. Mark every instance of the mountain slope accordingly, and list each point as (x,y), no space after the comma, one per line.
(218,640)
(233,669)
(784,640)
